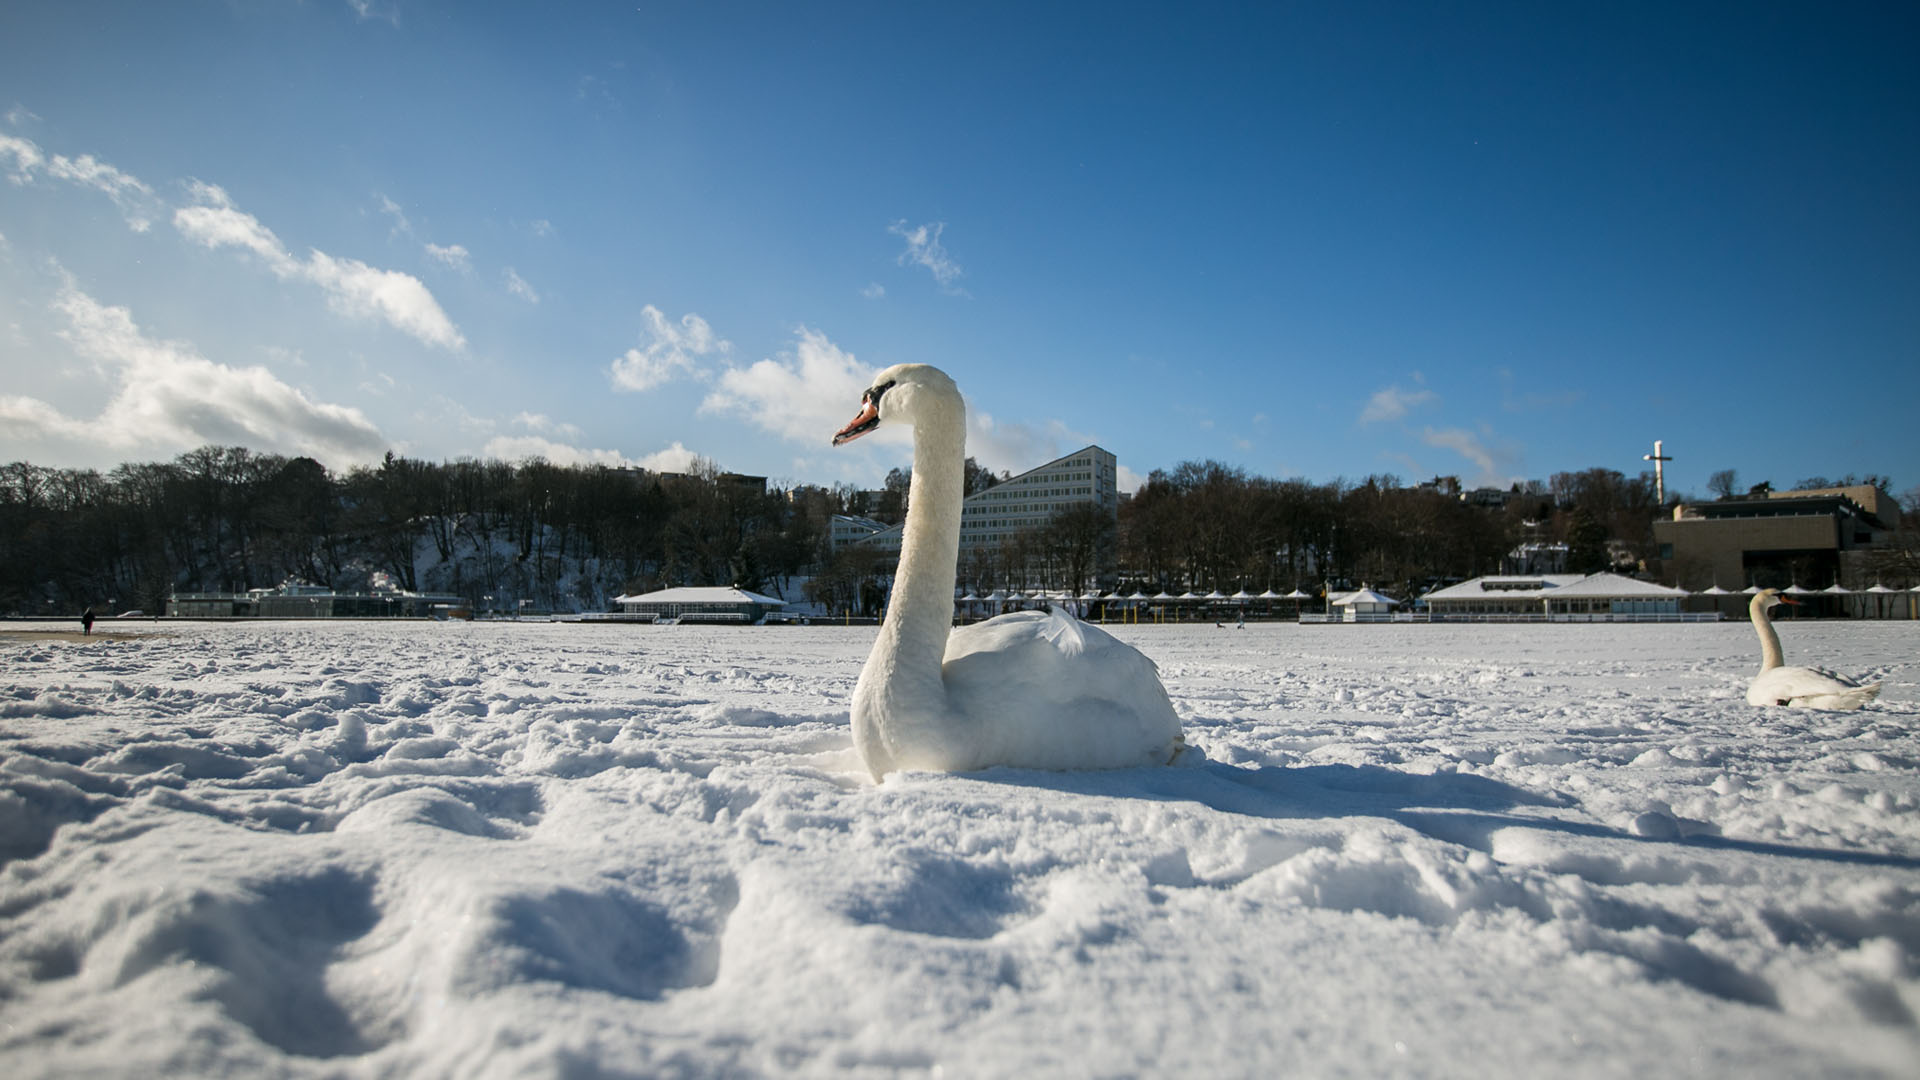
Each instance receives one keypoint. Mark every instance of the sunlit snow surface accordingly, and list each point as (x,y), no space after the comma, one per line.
(351,849)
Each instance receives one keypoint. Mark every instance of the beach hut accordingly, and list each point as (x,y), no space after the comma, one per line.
(1365,605)
(1882,607)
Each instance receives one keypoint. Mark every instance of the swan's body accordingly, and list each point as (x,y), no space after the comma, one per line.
(1799,687)
(1033,689)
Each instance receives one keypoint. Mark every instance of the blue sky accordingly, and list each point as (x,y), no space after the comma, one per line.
(1491,240)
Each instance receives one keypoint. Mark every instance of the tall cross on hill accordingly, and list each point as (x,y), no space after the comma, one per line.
(1659,472)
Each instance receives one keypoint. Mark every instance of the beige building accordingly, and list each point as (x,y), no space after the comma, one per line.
(1785,538)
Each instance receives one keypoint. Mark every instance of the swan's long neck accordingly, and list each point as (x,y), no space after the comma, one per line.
(1770,656)
(920,614)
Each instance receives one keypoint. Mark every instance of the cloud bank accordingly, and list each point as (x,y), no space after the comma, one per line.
(168,396)
(674,459)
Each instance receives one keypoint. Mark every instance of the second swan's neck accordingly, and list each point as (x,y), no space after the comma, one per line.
(920,614)
(1770,657)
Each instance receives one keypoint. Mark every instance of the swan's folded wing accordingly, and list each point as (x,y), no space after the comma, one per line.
(1048,661)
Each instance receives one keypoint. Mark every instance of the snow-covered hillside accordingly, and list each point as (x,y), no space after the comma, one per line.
(338,849)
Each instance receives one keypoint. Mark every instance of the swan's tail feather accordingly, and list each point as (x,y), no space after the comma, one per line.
(1852,698)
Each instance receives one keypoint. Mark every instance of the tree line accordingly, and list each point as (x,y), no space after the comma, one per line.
(228,519)
(535,534)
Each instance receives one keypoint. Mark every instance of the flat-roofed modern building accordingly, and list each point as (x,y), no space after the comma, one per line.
(1784,538)
(1088,476)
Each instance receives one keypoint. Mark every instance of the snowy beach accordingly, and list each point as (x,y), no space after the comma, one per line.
(496,849)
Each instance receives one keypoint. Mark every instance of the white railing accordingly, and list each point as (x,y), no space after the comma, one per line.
(1517,617)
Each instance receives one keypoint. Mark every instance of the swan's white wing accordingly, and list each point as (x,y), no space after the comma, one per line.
(1043,690)
(1808,688)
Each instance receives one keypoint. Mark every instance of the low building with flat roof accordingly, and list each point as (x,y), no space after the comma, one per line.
(698,603)
(1547,595)
(302,601)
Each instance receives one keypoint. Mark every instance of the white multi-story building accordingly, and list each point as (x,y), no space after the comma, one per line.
(1028,501)
(844,529)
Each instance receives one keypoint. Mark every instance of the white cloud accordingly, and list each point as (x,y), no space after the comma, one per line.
(27,158)
(924,249)
(214,222)
(168,396)
(543,423)
(518,286)
(805,396)
(809,394)
(874,291)
(135,199)
(367,10)
(1128,480)
(401,226)
(542,227)
(404,301)
(667,351)
(1394,403)
(675,458)
(352,287)
(1495,464)
(453,256)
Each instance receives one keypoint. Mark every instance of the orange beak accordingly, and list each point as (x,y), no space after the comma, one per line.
(868,419)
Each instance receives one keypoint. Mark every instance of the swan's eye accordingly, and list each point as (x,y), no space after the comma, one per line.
(872,396)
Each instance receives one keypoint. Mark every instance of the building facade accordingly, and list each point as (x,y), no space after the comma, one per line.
(1089,476)
(1549,595)
(1784,538)
(844,529)
(700,604)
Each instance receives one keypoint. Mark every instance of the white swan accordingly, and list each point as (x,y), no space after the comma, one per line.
(1801,687)
(1030,689)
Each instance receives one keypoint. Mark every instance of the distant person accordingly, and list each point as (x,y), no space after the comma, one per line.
(86,621)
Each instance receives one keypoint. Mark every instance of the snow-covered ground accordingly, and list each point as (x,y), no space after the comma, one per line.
(350,849)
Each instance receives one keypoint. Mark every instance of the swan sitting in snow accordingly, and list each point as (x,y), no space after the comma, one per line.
(1802,687)
(1030,689)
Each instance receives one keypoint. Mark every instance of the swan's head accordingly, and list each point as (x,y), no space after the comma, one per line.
(1768,599)
(901,394)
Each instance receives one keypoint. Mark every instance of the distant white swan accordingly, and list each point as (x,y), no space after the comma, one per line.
(1801,687)
(1030,689)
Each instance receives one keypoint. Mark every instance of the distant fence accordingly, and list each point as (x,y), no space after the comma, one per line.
(1560,617)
